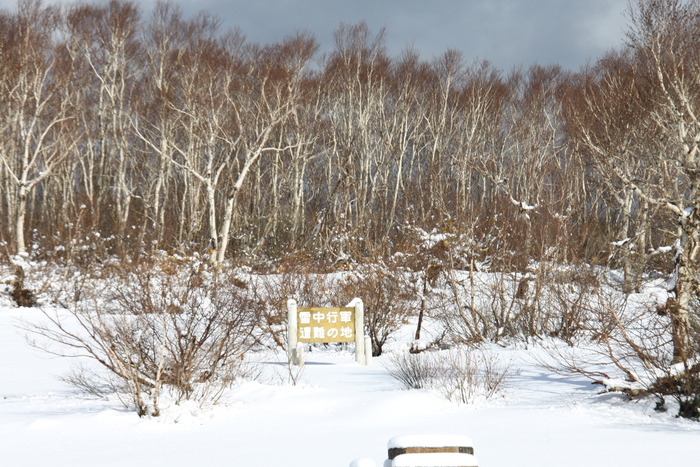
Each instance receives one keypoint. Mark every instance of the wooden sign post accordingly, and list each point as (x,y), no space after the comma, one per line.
(327,325)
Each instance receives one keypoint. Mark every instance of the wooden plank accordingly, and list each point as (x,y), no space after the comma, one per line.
(393,452)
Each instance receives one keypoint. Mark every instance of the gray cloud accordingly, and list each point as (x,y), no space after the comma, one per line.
(506,32)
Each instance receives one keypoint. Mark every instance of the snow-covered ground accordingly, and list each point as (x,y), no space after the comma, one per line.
(338,411)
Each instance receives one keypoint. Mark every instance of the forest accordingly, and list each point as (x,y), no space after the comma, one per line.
(168,133)
(129,136)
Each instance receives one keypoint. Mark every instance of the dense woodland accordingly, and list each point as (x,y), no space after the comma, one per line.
(159,131)
(124,134)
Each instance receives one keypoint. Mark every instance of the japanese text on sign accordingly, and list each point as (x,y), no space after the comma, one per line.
(326,324)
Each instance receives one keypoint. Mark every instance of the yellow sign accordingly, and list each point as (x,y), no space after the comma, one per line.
(326,324)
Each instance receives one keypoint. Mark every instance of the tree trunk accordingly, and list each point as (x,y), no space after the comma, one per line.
(21,247)
(687,270)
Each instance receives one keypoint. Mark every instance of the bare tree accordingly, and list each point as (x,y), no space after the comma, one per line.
(37,128)
(665,37)
(278,71)
(104,47)
(655,144)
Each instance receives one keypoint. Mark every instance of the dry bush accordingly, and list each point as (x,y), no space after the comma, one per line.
(156,330)
(21,295)
(488,306)
(461,375)
(545,301)
(310,290)
(388,301)
(568,293)
(19,289)
(412,370)
(468,374)
(625,343)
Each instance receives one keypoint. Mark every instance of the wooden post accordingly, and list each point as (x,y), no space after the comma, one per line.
(359,332)
(300,354)
(368,351)
(292,332)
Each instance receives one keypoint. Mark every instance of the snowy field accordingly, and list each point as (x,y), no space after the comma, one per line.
(338,411)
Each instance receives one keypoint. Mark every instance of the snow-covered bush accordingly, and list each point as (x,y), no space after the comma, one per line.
(461,375)
(625,343)
(388,301)
(412,370)
(310,290)
(154,330)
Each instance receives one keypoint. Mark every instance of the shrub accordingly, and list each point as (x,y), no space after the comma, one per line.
(467,374)
(21,295)
(625,343)
(310,290)
(461,375)
(151,332)
(413,371)
(388,301)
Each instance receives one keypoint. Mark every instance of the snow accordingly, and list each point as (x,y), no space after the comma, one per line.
(337,412)
(621,242)
(523,205)
(663,249)
(433,238)
(364,462)
(435,459)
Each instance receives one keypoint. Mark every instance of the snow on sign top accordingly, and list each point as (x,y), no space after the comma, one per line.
(429,441)
(441,459)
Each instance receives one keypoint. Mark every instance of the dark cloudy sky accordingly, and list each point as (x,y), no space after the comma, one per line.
(506,32)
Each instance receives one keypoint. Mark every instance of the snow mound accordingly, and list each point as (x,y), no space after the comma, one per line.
(436,459)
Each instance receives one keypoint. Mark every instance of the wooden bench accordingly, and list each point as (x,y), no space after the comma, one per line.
(426,451)
(431,451)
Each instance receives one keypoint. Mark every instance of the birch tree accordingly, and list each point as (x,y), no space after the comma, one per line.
(653,149)
(168,39)
(104,41)
(37,134)
(666,36)
(356,79)
(270,94)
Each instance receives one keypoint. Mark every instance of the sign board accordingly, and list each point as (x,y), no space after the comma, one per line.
(312,325)
(317,325)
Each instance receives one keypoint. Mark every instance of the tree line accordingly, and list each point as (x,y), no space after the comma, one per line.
(140,132)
